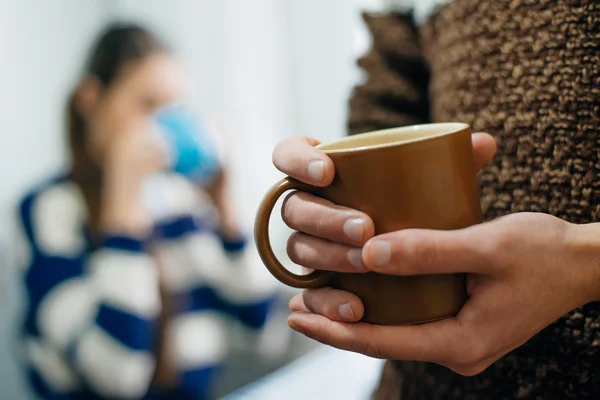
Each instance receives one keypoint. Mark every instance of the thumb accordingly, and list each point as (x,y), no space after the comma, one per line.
(424,252)
(484,149)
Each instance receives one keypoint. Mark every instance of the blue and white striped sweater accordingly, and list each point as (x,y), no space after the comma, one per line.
(91,322)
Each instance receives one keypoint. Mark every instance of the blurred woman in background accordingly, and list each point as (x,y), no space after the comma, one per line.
(128,276)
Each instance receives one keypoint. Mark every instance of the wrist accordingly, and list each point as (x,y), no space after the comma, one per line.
(584,241)
(122,210)
(231,231)
(233,244)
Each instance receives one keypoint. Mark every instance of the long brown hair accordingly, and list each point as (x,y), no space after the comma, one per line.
(116,47)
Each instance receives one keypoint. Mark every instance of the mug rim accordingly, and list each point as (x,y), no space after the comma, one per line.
(451,128)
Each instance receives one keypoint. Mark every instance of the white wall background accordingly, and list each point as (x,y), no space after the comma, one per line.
(267,69)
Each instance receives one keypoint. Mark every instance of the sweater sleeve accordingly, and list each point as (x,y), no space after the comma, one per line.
(97,306)
(394,92)
(221,274)
(249,293)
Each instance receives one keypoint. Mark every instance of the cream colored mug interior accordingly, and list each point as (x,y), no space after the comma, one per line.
(392,137)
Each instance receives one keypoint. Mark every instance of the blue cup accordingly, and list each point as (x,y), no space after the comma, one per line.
(191,149)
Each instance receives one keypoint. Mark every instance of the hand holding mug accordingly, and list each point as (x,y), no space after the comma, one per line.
(525,271)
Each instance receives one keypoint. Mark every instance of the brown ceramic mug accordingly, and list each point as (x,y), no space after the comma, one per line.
(419,176)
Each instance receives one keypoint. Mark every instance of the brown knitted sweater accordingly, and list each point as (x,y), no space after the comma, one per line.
(528,72)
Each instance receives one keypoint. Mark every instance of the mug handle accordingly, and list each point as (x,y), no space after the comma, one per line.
(313,280)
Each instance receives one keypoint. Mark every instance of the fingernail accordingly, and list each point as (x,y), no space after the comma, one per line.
(292,321)
(316,170)
(355,229)
(346,312)
(380,251)
(355,258)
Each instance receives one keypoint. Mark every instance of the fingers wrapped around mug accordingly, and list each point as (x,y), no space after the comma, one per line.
(328,237)
(298,158)
(337,305)
(323,219)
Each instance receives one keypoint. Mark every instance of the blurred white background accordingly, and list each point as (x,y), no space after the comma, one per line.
(265,69)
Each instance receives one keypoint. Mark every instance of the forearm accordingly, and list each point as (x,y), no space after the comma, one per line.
(101,315)
(221,197)
(120,341)
(584,242)
(123,277)
(121,209)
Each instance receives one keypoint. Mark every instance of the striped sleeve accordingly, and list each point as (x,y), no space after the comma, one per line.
(222,274)
(97,307)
